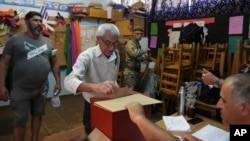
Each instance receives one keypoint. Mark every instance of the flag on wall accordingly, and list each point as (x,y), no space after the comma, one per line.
(44,13)
(46,22)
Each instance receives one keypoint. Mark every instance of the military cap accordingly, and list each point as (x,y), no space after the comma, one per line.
(138,28)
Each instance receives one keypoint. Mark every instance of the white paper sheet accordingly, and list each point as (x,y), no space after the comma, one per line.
(176,123)
(211,133)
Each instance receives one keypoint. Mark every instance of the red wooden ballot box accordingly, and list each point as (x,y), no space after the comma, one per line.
(116,125)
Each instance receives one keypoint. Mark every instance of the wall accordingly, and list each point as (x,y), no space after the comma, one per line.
(5,7)
(54,13)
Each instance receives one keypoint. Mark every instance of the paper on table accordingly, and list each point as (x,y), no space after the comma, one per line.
(118,104)
(176,123)
(211,133)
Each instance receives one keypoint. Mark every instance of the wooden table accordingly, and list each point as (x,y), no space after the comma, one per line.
(195,127)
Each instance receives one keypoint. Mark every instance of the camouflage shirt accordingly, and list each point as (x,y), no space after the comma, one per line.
(134,55)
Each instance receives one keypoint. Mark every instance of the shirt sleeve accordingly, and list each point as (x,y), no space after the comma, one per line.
(133,50)
(71,83)
(77,76)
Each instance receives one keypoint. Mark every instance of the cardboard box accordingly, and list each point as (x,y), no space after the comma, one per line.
(115,123)
(98,13)
(138,5)
(124,26)
(117,14)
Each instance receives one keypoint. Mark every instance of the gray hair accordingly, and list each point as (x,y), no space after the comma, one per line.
(240,91)
(108,28)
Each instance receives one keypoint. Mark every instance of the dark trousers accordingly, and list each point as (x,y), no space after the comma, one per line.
(87,117)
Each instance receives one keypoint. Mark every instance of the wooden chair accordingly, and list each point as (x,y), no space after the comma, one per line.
(241,57)
(175,63)
(205,58)
(156,68)
(247,50)
(211,57)
(211,109)
(222,51)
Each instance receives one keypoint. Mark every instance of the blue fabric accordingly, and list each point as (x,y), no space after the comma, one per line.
(173,10)
(118,6)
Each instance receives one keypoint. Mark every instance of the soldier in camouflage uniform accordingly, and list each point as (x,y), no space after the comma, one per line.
(134,55)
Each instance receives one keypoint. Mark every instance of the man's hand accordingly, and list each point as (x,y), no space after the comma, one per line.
(4,94)
(57,89)
(105,88)
(189,137)
(136,111)
(208,78)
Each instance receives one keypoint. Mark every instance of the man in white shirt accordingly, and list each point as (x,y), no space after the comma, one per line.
(95,71)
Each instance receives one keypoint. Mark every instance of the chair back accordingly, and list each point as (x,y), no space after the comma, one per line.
(176,61)
(240,58)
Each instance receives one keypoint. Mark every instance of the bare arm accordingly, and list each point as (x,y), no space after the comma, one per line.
(4,65)
(105,88)
(74,85)
(210,79)
(150,131)
(56,73)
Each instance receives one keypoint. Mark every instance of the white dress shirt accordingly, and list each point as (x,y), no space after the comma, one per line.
(92,66)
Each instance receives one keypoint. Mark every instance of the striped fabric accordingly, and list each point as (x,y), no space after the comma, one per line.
(44,13)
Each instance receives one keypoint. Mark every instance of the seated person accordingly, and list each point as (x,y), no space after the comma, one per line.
(235,98)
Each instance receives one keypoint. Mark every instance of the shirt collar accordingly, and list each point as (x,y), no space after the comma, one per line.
(99,53)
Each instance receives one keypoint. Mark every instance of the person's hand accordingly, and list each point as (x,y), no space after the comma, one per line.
(105,88)
(4,94)
(148,50)
(148,57)
(57,89)
(188,137)
(208,78)
(136,111)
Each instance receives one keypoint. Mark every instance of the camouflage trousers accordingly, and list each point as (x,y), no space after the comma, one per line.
(132,79)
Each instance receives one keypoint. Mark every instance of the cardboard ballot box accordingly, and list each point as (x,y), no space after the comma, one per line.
(111,117)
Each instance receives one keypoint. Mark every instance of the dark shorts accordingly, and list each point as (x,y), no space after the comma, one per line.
(25,100)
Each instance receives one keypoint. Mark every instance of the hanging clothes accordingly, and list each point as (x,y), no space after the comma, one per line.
(73,42)
(67,50)
(78,37)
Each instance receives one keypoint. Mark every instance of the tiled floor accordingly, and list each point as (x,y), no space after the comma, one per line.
(55,120)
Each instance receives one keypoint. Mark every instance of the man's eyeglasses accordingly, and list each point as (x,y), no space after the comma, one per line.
(108,43)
